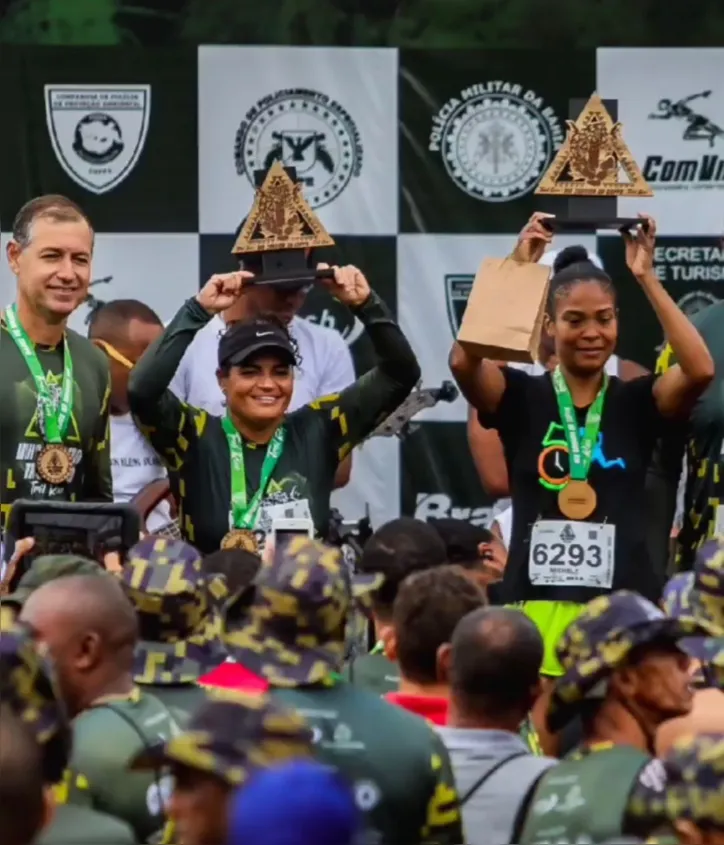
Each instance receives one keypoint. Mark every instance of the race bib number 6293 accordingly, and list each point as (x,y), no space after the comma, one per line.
(571,554)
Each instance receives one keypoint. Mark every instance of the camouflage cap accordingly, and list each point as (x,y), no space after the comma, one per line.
(28,685)
(49,567)
(296,624)
(676,598)
(694,786)
(601,640)
(180,630)
(707,601)
(233,735)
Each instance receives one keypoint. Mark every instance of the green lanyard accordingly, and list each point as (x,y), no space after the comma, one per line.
(55,417)
(580,450)
(243,513)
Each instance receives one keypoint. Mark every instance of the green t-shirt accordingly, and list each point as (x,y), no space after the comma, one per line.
(398,766)
(21,429)
(192,443)
(704,438)
(181,699)
(106,738)
(373,672)
(80,826)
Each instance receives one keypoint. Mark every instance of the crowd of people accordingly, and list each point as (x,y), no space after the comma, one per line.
(556,678)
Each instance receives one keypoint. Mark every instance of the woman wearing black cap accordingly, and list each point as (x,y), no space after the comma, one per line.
(577,441)
(257,463)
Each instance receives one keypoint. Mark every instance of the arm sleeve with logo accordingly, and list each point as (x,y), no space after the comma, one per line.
(169,424)
(443,825)
(355,412)
(97,479)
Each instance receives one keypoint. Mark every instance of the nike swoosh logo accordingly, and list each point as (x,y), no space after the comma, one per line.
(263,334)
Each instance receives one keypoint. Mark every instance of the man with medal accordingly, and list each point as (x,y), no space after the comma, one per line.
(55,388)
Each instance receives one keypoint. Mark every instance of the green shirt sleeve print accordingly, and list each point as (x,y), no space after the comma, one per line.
(167,423)
(354,413)
(97,482)
(443,824)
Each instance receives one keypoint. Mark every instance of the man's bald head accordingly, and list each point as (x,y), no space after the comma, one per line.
(85,620)
(113,320)
(495,662)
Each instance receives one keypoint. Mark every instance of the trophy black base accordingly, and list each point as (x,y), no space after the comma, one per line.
(592,224)
(288,269)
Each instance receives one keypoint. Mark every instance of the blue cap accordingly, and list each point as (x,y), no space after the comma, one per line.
(318,808)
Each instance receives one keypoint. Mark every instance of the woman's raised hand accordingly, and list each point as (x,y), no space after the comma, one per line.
(533,239)
(222,290)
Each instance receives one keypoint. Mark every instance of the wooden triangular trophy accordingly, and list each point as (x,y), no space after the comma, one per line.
(282,229)
(594,163)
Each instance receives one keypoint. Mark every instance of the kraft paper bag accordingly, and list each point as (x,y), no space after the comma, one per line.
(503,319)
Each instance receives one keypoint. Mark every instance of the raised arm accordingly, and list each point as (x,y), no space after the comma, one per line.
(677,389)
(356,411)
(486,449)
(168,423)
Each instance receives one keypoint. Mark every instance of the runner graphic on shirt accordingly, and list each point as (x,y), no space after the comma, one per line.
(698,127)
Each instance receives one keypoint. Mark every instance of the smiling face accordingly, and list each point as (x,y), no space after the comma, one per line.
(584,326)
(53,269)
(260,389)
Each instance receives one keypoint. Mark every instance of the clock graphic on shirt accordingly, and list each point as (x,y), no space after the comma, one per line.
(553,465)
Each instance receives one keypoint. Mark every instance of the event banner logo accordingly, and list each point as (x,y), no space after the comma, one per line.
(98,132)
(306,130)
(457,291)
(496,140)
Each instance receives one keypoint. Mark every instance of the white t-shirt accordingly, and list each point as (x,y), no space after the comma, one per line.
(134,464)
(326,366)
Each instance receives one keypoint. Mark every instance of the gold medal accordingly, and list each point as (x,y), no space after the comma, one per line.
(239,538)
(55,464)
(577,500)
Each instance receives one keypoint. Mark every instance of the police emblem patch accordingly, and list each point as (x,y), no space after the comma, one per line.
(695,301)
(457,291)
(496,139)
(98,131)
(306,130)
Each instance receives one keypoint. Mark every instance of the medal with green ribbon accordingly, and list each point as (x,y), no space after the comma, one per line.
(245,513)
(55,462)
(577,500)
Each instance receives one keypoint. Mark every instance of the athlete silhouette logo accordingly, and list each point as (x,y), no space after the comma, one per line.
(698,127)
(553,471)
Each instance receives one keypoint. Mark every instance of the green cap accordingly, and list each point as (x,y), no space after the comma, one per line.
(47,568)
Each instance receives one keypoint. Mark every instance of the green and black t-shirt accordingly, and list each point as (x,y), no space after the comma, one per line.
(396,762)
(704,495)
(22,434)
(193,444)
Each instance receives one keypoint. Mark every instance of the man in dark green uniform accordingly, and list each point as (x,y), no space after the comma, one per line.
(180,628)
(55,387)
(27,686)
(690,808)
(396,550)
(398,766)
(624,672)
(704,444)
(230,738)
(90,629)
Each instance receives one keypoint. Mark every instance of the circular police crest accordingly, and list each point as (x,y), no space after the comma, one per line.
(98,138)
(496,140)
(306,130)
(695,301)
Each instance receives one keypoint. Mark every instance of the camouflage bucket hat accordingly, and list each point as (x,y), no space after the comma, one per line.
(47,568)
(601,640)
(180,630)
(706,601)
(28,685)
(232,736)
(694,786)
(295,635)
(676,597)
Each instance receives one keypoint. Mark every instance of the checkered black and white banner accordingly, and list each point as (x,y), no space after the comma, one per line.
(420,164)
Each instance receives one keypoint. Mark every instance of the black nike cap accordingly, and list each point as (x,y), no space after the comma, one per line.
(247,338)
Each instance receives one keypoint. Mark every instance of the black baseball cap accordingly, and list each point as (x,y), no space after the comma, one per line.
(246,338)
